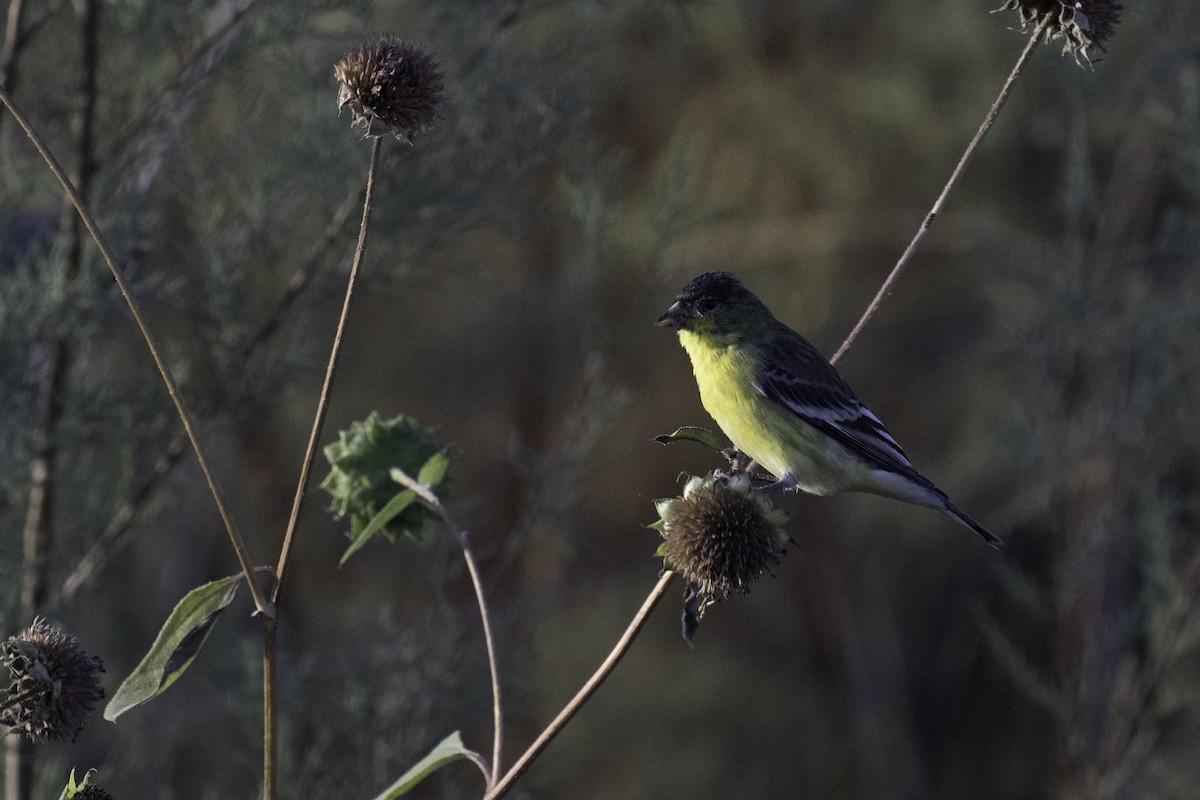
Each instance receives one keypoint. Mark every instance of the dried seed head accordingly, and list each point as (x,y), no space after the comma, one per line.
(93,792)
(55,684)
(1081,24)
(721,535)
(392,86)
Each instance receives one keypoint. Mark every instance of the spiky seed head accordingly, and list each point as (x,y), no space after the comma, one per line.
(93,792)
(1082,25)
(392,86)
(721,535)
(56,681)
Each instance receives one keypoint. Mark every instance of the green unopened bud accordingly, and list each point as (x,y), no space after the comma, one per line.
(360,481)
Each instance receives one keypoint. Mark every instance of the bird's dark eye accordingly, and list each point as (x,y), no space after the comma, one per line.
(707,304)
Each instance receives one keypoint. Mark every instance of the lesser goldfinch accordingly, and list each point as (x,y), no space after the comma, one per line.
(785,406)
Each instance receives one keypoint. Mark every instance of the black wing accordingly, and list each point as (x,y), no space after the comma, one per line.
(794,374)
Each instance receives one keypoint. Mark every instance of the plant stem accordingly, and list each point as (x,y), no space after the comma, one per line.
(490,642)
(270,704)
(433,501)
(894,275)
(618,652)
(235,537)
(270,630)
(323,401)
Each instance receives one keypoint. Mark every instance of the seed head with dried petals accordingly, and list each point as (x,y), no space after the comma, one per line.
(392,86)
(55,683)
(721,535)
(1083,25)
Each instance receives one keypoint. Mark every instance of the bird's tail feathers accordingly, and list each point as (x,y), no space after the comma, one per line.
(953,512)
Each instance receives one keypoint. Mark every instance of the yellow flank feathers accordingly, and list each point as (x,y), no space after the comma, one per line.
(777,439)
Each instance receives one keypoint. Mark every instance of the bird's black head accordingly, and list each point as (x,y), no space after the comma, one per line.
(714,303)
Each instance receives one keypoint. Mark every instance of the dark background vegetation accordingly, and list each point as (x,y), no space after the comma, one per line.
(1039,360)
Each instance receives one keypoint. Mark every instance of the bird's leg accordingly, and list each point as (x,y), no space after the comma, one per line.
(734,456)
(788,481)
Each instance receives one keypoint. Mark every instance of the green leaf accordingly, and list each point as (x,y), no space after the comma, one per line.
(691,433)
(449,749)
(386,514)
(176,645)
(434,469)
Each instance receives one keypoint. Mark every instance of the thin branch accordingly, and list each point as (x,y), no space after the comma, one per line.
(490,642)
(506,783)
(433,501)
(270,710)
(323,401)
(235,537)
(894,275)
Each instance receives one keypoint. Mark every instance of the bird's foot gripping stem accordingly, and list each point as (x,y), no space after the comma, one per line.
(788,481)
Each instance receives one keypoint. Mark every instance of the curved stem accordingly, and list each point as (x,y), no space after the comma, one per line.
(618,652)
(433,501)
(189,425)
(906,256)
(323,401)
(490,642)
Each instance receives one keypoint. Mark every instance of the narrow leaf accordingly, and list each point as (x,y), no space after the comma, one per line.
(692,433)
(176,645)
(73,789)
(449,749)
(386,514)
(434,469)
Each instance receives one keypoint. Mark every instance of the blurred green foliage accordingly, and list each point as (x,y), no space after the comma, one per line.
(1039,360)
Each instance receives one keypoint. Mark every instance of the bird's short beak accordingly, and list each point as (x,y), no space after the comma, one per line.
(673,317)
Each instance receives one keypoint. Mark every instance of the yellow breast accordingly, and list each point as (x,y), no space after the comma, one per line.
(775,437)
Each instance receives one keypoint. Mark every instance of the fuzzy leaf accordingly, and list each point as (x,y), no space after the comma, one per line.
(176,645)
(449,749)
(386,514)
(692,433)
